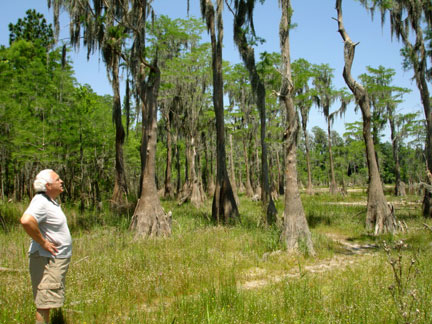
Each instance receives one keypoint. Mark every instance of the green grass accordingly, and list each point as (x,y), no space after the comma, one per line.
(206,273)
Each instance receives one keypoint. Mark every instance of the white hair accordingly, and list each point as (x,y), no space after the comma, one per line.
(42,178)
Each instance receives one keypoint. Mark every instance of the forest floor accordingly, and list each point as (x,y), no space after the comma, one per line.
(207,273)
(352,253)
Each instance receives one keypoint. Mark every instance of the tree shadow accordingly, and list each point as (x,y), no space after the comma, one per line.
(315,220)
(358,245)
(57,317)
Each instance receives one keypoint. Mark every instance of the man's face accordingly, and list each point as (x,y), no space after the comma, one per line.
(54,188)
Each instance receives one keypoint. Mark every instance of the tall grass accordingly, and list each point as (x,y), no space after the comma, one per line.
(206,273)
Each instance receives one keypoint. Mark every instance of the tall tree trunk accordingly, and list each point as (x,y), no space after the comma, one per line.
(399,191)
(168,189)
(380,218)
(97,171)
(408,20)
(420,76)
(280,184)
(197,198)
(295,226)
(249,189)
(224,207)
(211,184)
(304,114)
(178,167)
(149,218)
(192,190)
(232,170)
(202,193)
(333,187)
(119,196)
(274,184)
(308,163)
(375,139)
(247,54)
(82,198)
(205,173)
(241,187)
(186,174)
(427,199)
(257,183)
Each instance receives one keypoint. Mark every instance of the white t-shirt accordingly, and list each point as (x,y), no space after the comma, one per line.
(52,224)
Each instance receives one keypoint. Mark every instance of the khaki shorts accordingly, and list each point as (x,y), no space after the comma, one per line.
(48,280)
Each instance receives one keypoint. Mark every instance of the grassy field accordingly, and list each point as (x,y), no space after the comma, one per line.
(206,273)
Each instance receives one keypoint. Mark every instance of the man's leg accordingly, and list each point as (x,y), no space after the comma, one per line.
(37,267)
(48,280)
(42,315)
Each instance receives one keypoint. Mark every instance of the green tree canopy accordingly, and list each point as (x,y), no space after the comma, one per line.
(33,28)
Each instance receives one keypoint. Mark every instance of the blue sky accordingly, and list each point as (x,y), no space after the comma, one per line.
(315,38)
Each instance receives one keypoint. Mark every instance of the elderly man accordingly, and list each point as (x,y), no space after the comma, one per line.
(51,246)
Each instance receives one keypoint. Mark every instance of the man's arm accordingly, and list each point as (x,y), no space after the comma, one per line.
(32,228)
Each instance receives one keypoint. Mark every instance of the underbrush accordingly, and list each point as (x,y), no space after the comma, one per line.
(206,273)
